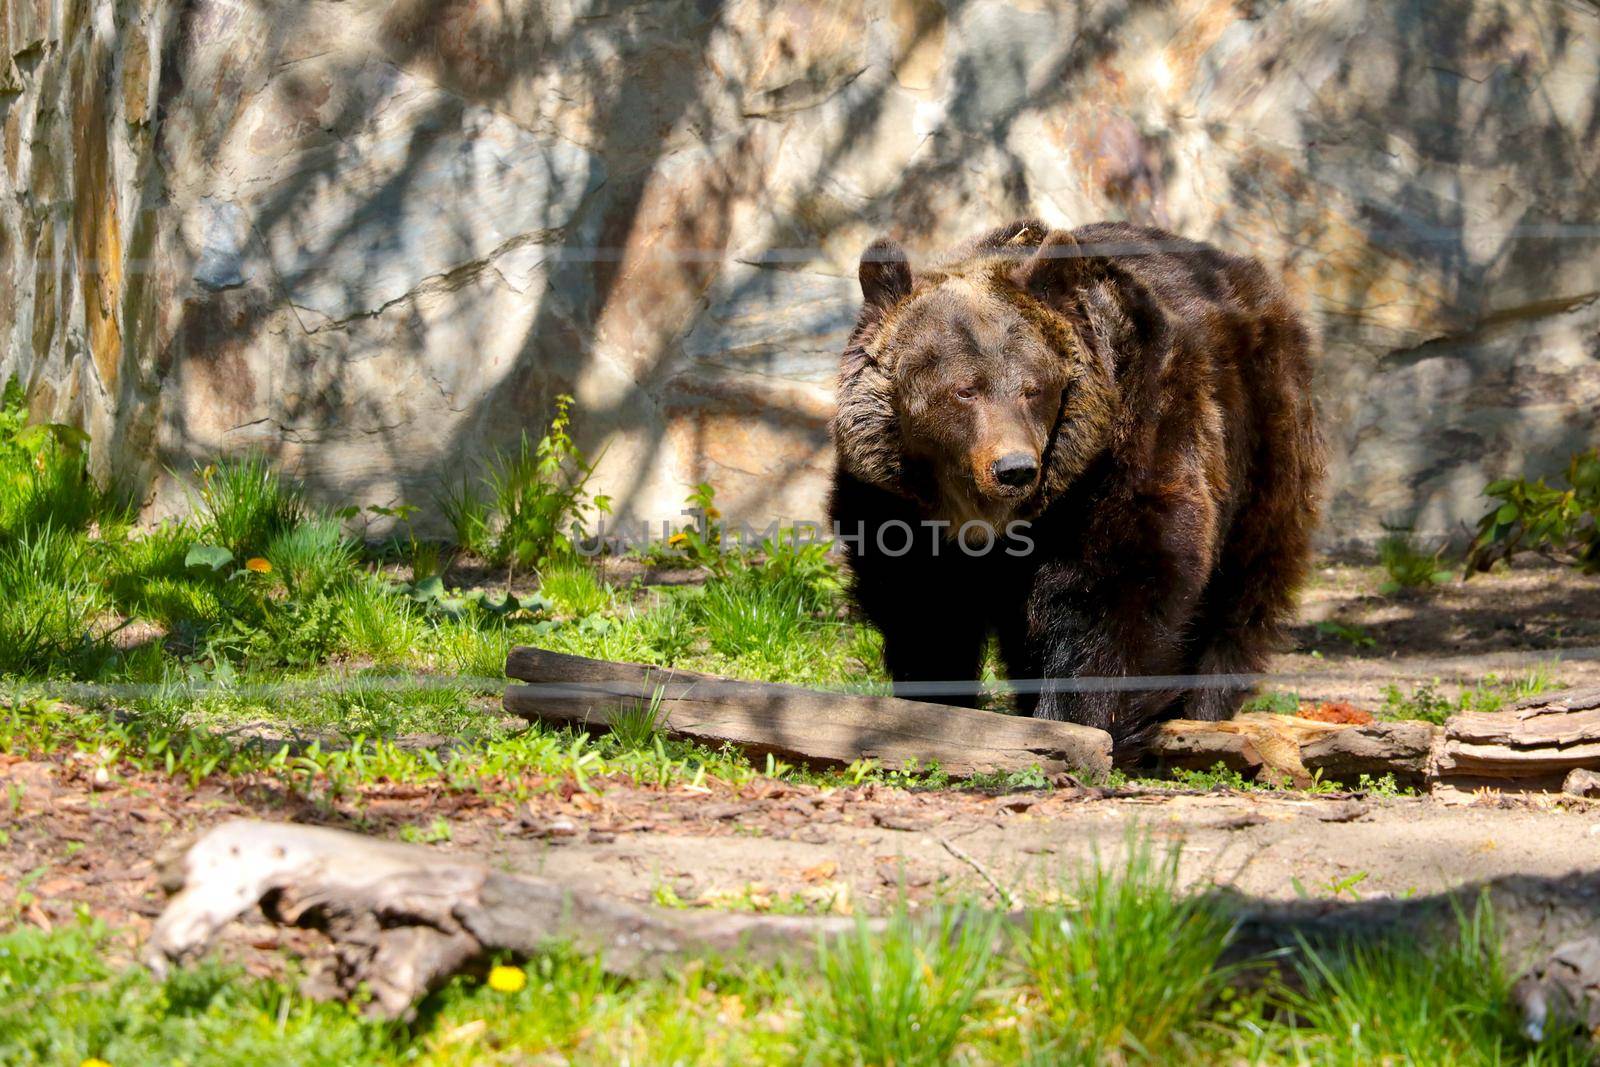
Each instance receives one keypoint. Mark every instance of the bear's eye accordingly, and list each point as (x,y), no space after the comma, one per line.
(966,393)
(1030,391)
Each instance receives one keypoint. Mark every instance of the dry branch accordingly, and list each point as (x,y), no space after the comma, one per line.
(403,918)
(799,724)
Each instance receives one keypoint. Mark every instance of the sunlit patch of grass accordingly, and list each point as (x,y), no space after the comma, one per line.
(901,995)
(311,557)
(742,614)
(136,560)
(49,603)
(245,502)
(461,647)
(574,588)
(1130,969)
(1409,1004)
(377,622)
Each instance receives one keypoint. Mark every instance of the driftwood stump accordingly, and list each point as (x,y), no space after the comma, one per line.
(799,724)
(403,918)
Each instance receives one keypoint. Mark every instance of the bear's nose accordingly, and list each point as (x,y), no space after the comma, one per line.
(1015,469)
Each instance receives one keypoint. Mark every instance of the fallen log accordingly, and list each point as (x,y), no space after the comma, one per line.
(403,918)
(799,724)
(1533,744)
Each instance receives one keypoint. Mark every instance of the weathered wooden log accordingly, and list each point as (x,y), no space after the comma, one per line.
(799,724)
(1402,749)
(403,918)
(1257,742)
(1533,743)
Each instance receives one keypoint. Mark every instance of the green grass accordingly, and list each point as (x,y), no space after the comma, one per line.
(311,557)
(1408,565)
(1427,702)
(574,587)
(49,601)
(1124,969)
(902,996)
(244,503)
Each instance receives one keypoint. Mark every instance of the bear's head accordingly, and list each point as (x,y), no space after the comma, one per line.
(976,386)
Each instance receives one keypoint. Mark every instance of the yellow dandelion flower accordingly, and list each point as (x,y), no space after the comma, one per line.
(92,1062)
(257,564)
(678,539)
(504,979)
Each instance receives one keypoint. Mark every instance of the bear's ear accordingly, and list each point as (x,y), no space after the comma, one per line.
(1057,267)
(885,273)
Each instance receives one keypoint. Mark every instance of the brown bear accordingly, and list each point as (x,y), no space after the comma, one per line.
(1097,446)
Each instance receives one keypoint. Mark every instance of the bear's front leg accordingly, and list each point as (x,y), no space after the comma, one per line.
(1093,643)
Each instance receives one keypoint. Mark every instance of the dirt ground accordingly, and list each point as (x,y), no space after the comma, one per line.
(71,840)
(1530,617)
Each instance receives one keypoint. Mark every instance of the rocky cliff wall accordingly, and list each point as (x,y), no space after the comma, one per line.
(377,238)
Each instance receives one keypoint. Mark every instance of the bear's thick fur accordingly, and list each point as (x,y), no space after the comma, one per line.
(1103,446)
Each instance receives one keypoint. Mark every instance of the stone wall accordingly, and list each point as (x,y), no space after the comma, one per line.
(377,238)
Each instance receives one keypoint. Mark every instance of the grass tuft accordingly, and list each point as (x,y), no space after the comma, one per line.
(902,995)
(49,604)
(245,502)
(1130,972)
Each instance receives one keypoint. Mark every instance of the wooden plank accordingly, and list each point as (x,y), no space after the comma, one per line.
(799,724)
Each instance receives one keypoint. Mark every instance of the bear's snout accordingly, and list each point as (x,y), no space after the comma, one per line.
(1016,470)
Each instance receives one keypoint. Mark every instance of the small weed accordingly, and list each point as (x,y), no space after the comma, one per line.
(1427,703)
(432,834)
(638,726)
(1348,632)
(1408,565)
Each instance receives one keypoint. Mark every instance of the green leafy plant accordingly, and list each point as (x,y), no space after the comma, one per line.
(698,542)
(1408,565)
(539,492)
(1561,524)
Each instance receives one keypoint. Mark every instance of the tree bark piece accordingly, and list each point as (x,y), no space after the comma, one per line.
(799,724)
(403,918)
(1533,743)
(1402,749)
